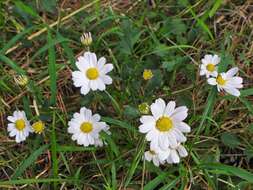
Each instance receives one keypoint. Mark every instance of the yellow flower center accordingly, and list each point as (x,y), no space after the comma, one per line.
(164,124)
(20,124)
(92,73)
(86,127)
(38,127)
(210,67)
(147,74)
(220,80)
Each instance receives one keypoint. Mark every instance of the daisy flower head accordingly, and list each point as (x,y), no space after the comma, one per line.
(147,74)
(228,82)
(209,65)
(176,153)
(19,126)
(153,156)
(86,39)
(38,127)
(92,73)
(85,127)
(165,127)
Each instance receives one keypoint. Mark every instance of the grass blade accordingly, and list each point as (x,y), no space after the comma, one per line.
(12,64)
(52,70)
(30,181)
(29,161)
(54,151)
(208,109)
(119,123)
(14,40)
(239,172)
(155,182)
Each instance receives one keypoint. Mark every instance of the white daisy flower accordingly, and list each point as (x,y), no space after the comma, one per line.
(91,74)
(19,126)
(165,127)
(176,153)
(154,157)
(208,66)
(228,82)
(85,127)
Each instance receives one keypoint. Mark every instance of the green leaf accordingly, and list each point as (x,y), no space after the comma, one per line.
(52,43)
(230,170)
(111,143)
(246,92)
(12,64)
(200,22)
(114,103)
(52,70)
(28,161)
(248,152)
(25,8)
(215,7)
(14,40)
(208,108)
(156,181)
(131,112)
(247,104)
(230,140)
(119,123)
(135,163)
(54,150)
(31,181)
(74,148)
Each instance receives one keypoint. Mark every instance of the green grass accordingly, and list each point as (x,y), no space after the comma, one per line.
(41,39)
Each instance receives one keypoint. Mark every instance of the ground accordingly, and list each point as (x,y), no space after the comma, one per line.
(41,39)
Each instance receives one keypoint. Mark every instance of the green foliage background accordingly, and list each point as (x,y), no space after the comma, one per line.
(42,40)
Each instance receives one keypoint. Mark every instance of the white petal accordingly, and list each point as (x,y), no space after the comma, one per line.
(151,135)
(215,59)
(212,81)
(172,140)
(101,85)
(156,162)
(235,80)
(101,63)
(94,85)
(90,139)
(93,59)
(202,72)
(147,156)
(179,136)
(107,79)
(147,119)
(157,108)
(233,91)
(163,155)
(182,151)
(144,128)
(214,73)
(174,156)
(182,126)
(107,68)
(232,72)
(163,141)
(85,89)
(11,119)
(180,113)
(96,117)
(170,108)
